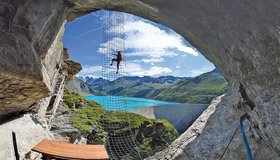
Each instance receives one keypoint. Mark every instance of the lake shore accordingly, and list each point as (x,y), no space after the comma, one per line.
(125,103)
(180,115)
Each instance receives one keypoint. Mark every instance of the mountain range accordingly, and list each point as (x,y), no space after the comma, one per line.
(79,86)
(200,89)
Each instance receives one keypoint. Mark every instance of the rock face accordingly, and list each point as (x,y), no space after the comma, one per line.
(209,135)
(240,37)
(30,52)
(61,128)
(28,137)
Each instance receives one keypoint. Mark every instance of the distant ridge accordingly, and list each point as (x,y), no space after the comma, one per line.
(199,89)
(82,87)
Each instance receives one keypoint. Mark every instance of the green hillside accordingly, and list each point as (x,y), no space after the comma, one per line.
(200,89)
(152,135)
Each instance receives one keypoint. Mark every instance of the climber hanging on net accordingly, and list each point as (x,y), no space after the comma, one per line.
(118,60)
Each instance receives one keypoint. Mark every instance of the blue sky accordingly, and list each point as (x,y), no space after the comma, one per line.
(150,49)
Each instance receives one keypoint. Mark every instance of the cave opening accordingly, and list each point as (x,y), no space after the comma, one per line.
(241,39)
(157,60)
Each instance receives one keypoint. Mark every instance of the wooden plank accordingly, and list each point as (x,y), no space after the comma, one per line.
(72,151)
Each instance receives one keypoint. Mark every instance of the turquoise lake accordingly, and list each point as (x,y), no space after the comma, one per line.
(125,103)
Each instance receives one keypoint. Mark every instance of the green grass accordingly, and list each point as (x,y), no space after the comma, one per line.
(198,90)
(93,114)
(71,98)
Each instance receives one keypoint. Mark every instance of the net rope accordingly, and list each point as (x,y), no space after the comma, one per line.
(113,40)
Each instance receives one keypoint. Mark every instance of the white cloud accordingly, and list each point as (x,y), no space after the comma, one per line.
(112,45)
(88,70)
(155,70)
(154,53)
(145,39)
(134,69)
(150,60)
(199,71)
(145,36)
(88,75)
(91,76)
(196,72)
(177,66)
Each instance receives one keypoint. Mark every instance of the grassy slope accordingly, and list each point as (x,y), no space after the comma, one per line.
(200,89)
(92,114)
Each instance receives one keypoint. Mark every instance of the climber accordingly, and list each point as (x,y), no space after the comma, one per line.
(118,60)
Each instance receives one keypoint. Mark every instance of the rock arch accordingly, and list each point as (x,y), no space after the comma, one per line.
(240,37)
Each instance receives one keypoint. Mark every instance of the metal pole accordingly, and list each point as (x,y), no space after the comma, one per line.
(15,145)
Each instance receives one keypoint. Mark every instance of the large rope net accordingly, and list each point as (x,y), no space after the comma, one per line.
(118,144)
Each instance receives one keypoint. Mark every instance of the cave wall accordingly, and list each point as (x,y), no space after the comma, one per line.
(30,52)
(31,73)
(240,37)
(212,131)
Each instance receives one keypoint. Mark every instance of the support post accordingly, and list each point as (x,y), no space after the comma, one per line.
(15,145)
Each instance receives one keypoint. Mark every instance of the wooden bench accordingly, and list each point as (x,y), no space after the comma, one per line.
(53,149)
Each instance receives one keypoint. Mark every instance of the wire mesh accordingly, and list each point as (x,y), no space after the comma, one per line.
(124,143)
